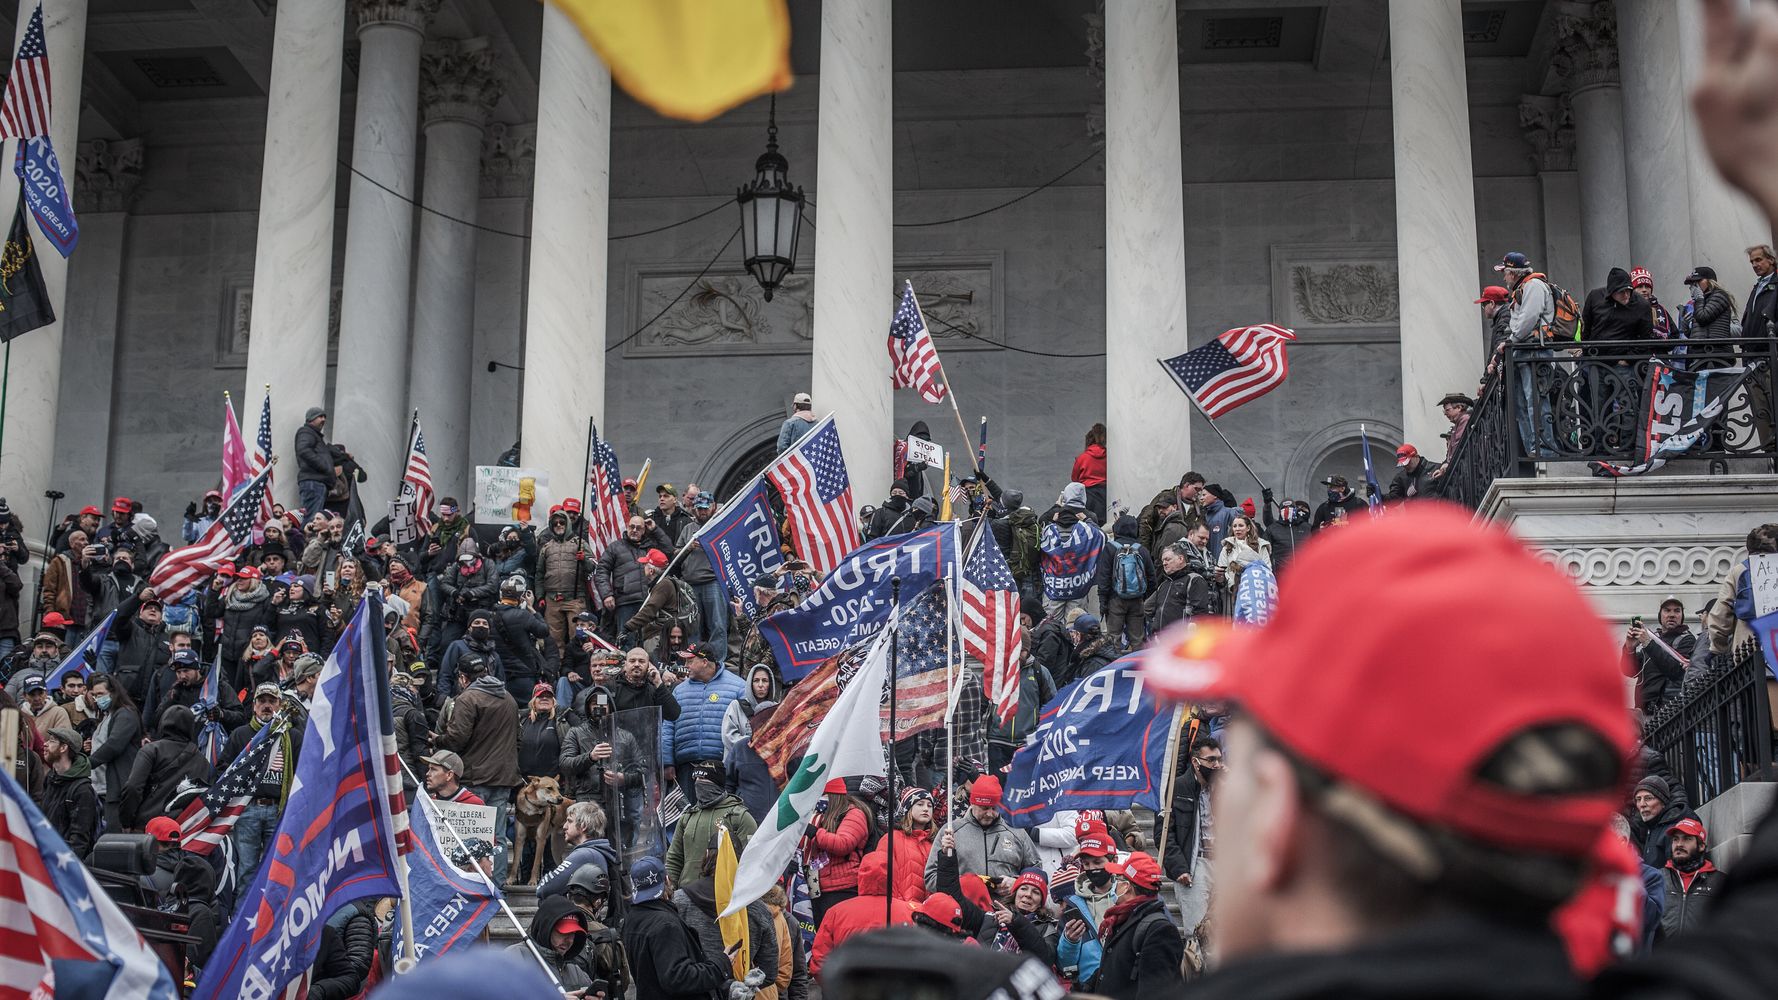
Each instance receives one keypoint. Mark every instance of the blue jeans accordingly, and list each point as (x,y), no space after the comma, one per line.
(501,800)
(253,833)
(1532,401)
(7,645)
(714,611)
(313,496)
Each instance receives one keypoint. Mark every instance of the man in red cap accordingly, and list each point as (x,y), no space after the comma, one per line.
(1497,314)
(1391,824)
(1411,470)
(1143,950)
(1691,880)
(1078,949)
(986,845)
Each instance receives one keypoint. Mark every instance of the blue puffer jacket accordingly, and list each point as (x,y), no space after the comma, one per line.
(697,733)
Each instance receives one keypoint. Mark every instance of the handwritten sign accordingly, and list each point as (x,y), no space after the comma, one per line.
(511,496)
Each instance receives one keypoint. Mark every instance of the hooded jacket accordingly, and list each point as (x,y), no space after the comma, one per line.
(1687,896)
(484,730)
(997,850)
(665,956)
(70,805)
(161,766)
(1089,466)
(1142,955)
(116,743)
(697,831)
(240,612)
(863,912)
(1602,319)
(844,847)
(696,903)
(570,973)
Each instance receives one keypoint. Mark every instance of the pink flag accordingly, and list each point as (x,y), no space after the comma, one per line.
(235,471)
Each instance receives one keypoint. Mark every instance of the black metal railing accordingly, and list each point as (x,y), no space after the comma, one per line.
(1582,403)
(1717,732)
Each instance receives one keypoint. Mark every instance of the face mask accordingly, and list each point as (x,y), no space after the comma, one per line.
(1098,880)
(707,792)
(1697,293)
(479,632)
(104,702)
(1334,495)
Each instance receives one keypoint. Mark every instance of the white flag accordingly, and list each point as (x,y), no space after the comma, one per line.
(847,744)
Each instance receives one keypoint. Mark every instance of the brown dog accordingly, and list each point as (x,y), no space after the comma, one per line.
(538,809)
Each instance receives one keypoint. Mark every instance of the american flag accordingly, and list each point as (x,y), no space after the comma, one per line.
(991,628)
(416,479)
(261,459)
(60,933)
(235,470)
(817,493)
(610,512)
(222,542)
(911,350)
(921,692)
(209,817)
(1242,364)
(24,111)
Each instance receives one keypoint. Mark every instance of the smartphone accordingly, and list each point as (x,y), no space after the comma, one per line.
(1636,622)
(327,580)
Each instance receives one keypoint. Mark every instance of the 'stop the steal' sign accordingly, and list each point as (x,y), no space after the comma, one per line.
(855,600)
(1100,744)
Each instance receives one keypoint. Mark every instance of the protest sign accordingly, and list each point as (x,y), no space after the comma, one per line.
(468,820)
(742,544)
(922,451)
(511,496)
(1762,578)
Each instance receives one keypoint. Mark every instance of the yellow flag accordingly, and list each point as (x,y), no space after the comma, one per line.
(642,481)
(945,513)
(689,59)
(734,926)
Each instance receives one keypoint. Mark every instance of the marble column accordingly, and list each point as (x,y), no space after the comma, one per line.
(27,456)
(293,259)
(369,415)
(458,88)
(1434,212)
(1147,418)
(1586,63)
(854,249)
(107,172)
(509,159)
(571,214)
(1548,126)
(1657,174)
(1724,222)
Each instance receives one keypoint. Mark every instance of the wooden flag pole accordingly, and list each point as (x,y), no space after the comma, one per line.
(1172,765)
(950,390)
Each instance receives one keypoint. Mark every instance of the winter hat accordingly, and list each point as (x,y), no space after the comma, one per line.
(1125,527)
(1073,495)
(834,786)
(899,484)
(1616,280)
(1640,276)
(1032,608)
(1657,786)
(5,511)
(911,797)
(1031,876)
(985,792)
(1248,508)
(1012,499)
(1064,881)
(313,412)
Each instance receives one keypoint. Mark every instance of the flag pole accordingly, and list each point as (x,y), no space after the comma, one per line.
(950,390)
(894,688)
(5,379)
(586,478)
(1172,766)
(1225,438)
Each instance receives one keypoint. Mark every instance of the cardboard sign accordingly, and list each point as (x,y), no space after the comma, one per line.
(511,496)
(468,820)
(921,450)
(1762,577)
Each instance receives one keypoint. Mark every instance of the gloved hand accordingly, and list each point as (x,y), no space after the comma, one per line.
(191,511)
(740,991)
(1270,498)
(755,978)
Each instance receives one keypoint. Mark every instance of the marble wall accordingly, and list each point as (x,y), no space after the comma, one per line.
(1288,156)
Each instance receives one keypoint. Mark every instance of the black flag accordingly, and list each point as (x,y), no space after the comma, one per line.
(1678,409)
(24,302)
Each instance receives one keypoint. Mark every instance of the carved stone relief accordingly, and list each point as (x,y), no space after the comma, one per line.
(236,327)
(1336,291)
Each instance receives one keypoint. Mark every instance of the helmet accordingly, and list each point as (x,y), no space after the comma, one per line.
(591,880)
(514,585)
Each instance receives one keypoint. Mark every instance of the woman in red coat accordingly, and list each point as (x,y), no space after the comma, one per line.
(864,912)
(913,844)
(1089,471)
(837,840)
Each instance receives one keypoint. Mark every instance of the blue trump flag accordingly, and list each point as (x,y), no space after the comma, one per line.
(81,658)
(742,543)
(1100,744)
(338,839)
(451,906)
(1070,559)
(46,193)
(854,602)
(1373,492)
(1256,595)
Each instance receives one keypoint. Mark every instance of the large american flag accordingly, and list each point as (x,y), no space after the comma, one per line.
(60,933)
(24,111)
(223,542)
(209,817)
(817,493)
(609,512)
(416,478)
(1240,365)
(991,629)
(261,459)
(921,689)
(911,350)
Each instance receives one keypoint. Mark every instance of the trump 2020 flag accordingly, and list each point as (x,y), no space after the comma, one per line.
(742,543)
(46,194)
(451,906)
(1256,595)
(339,836)
(1101,743)
(847,744)
(63,936)
(1070,559)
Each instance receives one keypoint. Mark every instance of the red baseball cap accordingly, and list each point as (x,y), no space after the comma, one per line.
(1141,869)
(1688,825)
(1493,293)
(942,909)
(55,619)
(1405,454)
(985,791)
(162,828)
(655,558)
(571,505)
(122,505)
(90,509)
(248,572)
(1331,680)
(1095,841)
(976,891)
(570,924)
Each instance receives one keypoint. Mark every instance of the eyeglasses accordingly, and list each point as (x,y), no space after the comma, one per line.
(1209,761)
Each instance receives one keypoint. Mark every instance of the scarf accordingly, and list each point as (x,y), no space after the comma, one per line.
(284,747)
(1119,913)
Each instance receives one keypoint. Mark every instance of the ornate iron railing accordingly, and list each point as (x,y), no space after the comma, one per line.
(1583,404)
(1717,732)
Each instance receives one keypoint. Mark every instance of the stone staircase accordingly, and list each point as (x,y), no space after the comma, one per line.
(523,900)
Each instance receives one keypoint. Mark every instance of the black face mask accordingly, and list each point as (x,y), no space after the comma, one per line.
(1097,879)
(478,632)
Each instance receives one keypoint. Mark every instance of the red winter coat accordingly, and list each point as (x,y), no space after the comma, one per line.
(1089,466)
(843,847)
(863,912)
(911,852)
